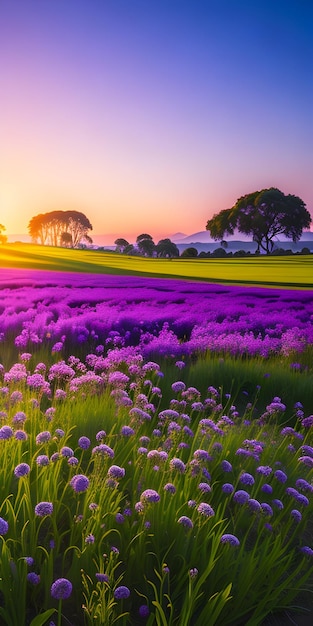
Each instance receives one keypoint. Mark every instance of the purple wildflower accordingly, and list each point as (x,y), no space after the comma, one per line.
(264,470)
(266,488)
(307,551)
(4,526)
(66,451)
(101,435)
(205,509)
(204,487)
(20,435)
(143,610)
(177,464)
(254,505)
(185,521)
(79,483)
(84,443)
(121,593)
(226,466)
(280,476)
(149,495)
(296,515)
(230,539)
(227,488)
(33,578)
(246,479)
(267,509)
(102,578)
(170,488)
(6,432)
(241,496)
(90,538)
(43,508)
(61,589)
(42,459)
(104,450)
(116,472)
(22,469)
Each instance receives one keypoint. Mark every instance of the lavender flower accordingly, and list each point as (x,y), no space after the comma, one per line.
(226,466)
(205,509)
(127,431)
(4,526)
(230,539)
(296,515)
(280,476)
(246,479)
(177,464)
(43,508)
(185,521)
(104,450)
(33,578)
(149,495)
(307,551)
(227,488)
(66,451)
(121,593)
(102,578)
(42,459)
(241,496)
(61,589)
(267,509)
(6,432)
(143,610)
(170,488)
(22,469)
(84,443)
(79,483)
(116,472)
(20,435)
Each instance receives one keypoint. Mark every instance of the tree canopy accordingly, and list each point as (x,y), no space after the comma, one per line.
(3,238)
(58,228)
(166,248)
(263,215)
(145,244)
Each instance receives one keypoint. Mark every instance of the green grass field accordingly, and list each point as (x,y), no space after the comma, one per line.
(290,271)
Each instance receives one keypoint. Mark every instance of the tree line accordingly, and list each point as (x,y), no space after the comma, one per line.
(263,215)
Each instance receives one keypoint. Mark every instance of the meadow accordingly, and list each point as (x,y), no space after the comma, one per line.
(156,440)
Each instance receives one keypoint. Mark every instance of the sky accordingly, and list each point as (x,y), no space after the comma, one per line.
(152,115)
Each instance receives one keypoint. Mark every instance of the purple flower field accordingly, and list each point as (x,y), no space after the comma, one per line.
(163,316)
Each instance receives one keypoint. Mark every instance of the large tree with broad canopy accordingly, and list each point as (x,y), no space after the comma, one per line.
(263,215)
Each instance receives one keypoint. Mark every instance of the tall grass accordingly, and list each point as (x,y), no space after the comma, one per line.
(152,532)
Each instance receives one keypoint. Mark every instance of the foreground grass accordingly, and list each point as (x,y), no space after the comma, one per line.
(293,271)
(167,555)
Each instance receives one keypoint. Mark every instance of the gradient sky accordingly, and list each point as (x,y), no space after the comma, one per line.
(151,115)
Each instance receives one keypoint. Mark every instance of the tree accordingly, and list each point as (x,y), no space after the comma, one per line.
(3,238)
(66,240)
(50,228)
(145,244)
(121,244)
(264,215)
(166,248)
(189,253)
